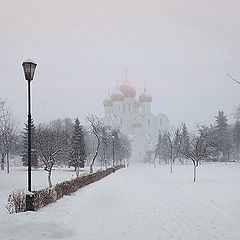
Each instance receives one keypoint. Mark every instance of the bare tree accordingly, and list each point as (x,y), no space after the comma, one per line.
(199,148)
(8,133)
(95,128)
(126,149)
(105,150)
(50,144)
(174,139)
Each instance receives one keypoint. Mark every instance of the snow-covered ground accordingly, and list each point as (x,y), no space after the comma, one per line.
(141,202)
(17,179)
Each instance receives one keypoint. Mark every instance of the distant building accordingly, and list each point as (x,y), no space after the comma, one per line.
(133,117)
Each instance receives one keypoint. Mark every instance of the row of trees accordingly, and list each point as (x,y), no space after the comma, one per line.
(62,142)
(217,142)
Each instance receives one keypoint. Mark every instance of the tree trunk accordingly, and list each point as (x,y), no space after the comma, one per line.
(77,171)
(7,162)
(225,157)
(171,167)
(237,154)
(91,168)
(194,171)
(2,161)
(95,155)
(105,161)
(49,178)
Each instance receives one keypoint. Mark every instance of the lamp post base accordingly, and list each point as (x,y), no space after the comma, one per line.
(29,202)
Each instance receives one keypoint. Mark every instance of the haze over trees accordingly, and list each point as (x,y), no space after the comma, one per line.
(63,142)
(220,142)
(8,133)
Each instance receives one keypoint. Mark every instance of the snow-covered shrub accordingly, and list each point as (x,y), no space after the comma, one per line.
(16,202)
(43,197)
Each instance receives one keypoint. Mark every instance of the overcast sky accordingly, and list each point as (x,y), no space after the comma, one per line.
(183,49)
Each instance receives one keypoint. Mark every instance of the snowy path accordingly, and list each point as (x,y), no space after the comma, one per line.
(134,203)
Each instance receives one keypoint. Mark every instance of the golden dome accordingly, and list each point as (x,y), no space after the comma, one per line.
(128,90)
(107,102)
(117,95)
(145,97)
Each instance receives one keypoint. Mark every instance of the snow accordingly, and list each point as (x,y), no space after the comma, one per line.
(140,202)
(17,179)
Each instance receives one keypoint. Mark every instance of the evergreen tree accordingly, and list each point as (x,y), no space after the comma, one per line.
(165,150)
(184,142)
(236,138)
(78,153)
(222,134)
(34,158)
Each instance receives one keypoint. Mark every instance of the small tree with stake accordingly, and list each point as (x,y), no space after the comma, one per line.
(199,148)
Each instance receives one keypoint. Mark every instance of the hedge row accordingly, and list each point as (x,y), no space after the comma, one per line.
(17,200)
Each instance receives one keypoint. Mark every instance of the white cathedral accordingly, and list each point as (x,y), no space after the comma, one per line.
(134,118)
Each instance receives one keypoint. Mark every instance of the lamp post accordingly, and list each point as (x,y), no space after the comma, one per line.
(29,68)
(113,138)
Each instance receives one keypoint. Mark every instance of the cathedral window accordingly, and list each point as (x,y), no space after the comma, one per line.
(160,122)
(121,121)
(129,107)
(148,121)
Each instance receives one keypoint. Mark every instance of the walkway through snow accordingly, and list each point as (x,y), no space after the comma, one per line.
(140,203)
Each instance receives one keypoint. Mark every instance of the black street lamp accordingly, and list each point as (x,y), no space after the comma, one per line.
(113,138)
(29,68)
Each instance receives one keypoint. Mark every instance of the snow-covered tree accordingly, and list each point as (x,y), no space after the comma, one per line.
(66,127)
(78,152)
(222,135)
(173,144)
(157,152)
(184,141)
(50,144)
(105,150)
(8,133)
(199,148)
(126,148)
(164,148)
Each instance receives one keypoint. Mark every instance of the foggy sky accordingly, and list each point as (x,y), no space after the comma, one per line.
(183,49)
